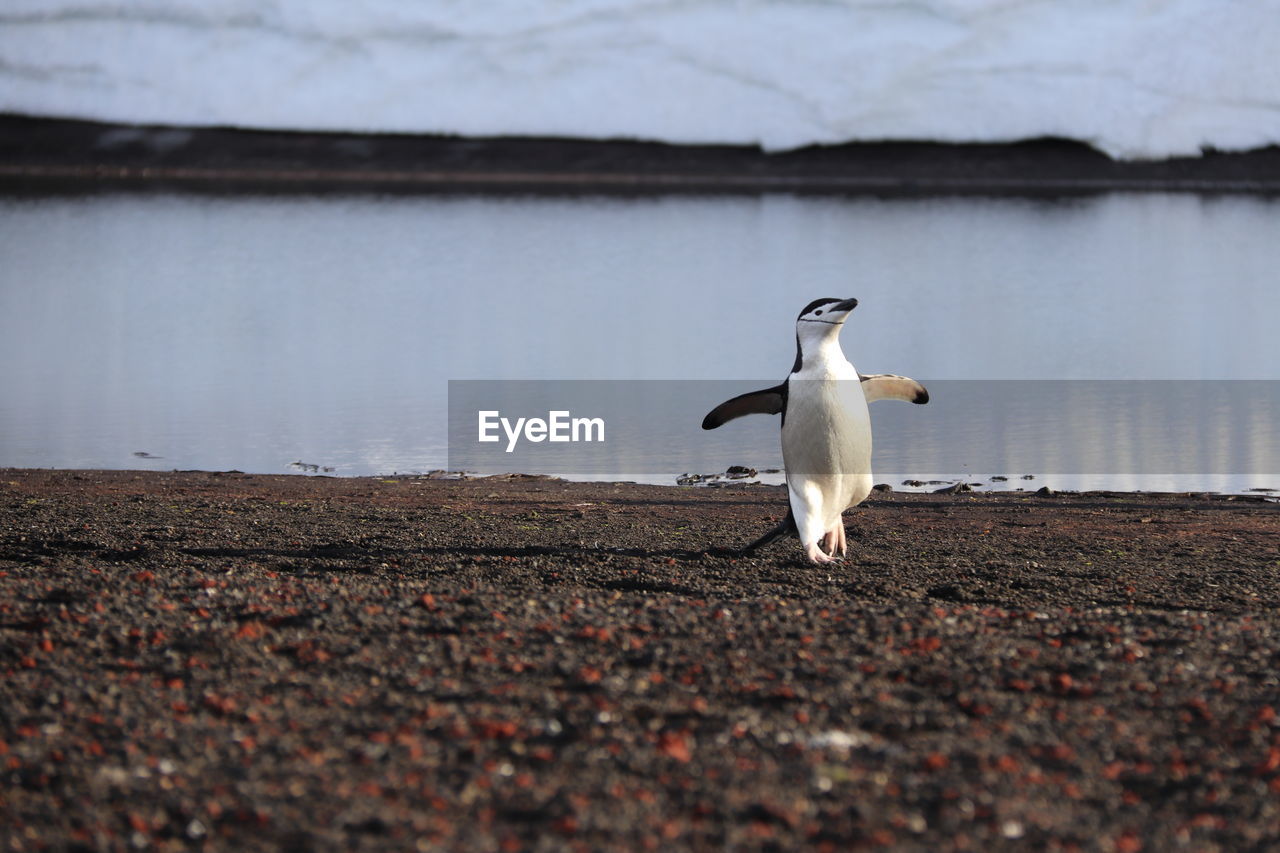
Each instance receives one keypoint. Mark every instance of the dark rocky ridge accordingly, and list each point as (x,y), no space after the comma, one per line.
(46,155)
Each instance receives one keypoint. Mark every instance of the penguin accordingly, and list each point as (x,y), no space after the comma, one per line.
(826,429)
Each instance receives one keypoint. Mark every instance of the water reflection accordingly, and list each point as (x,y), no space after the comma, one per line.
(254,332)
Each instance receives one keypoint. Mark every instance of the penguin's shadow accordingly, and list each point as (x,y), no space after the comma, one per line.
(568,551)
(370,552)
(580,551)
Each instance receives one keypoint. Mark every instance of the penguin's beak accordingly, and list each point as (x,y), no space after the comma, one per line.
(846,305)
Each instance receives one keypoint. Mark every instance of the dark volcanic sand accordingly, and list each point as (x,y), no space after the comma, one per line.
(270,662)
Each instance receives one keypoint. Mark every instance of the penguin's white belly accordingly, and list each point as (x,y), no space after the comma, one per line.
(826,445)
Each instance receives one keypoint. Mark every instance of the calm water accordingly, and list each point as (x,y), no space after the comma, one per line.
(253,333)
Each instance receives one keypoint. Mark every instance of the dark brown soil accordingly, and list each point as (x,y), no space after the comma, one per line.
(234,662)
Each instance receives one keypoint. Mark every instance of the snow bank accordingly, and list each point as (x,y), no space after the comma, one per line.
(1135,79)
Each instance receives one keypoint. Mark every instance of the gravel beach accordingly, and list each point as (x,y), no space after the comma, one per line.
(247,662)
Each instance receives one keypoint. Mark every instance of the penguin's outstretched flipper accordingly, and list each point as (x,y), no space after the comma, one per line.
(770,401)
(888,386)
(786,527)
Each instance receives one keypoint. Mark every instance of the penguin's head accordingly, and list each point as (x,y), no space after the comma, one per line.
(823,316)
(818,326)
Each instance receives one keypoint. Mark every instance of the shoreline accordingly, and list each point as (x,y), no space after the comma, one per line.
(264,662)
(51,155)
(1039,484)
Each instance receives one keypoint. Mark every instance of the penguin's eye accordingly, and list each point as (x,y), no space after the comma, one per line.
(818,313)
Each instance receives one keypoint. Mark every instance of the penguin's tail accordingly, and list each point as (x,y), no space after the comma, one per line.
(786,527)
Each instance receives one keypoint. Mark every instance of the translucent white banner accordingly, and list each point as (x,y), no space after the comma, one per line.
(588,428)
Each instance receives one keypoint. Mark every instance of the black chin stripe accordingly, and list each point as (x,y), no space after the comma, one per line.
(828,322)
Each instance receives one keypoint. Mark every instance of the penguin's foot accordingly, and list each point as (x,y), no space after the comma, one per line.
(816,555)
(834,542)
(831,543)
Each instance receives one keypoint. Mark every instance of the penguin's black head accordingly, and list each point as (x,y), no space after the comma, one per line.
(818,325)
(830,311)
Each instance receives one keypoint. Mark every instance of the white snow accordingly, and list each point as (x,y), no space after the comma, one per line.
(1135,78)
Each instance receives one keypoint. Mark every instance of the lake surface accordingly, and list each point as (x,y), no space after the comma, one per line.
(252,333)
